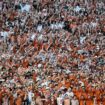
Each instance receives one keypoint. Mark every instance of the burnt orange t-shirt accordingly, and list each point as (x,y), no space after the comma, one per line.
(19,101)
(89,101)
(67,84)
(11,102)
(81,101)
(1,97)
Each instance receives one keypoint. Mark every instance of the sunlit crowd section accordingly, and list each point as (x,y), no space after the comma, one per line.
(52,52)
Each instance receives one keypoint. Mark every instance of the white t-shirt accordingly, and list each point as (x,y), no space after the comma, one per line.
(26,8)
(30,94)
(33,103)
(74,102)
(0,5)
(70,94)
(77,8)
(4,34)
(33,36)
(82,39)
(39,28)
(59,101)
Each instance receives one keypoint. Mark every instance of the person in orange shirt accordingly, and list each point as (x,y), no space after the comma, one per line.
(67,84)
(77,93)
(1,93)
(97,92)
(18,100)
(11,99)
(25,63)
(103,100)
(84,93)
(82,100)
(89,100)
(99,100)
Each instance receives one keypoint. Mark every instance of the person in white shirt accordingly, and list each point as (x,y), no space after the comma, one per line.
(30,95)
(25,8)
(59,100)
(1,5)
(74,101)
(39,28)
(33,101)
(33,37)
(70,93)
(4,35)
(77,9)
(82,39)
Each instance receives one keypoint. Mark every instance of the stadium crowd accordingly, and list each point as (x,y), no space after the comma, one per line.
(52,52)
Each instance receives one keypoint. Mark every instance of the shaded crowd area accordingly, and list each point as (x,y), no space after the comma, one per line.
(52,52)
